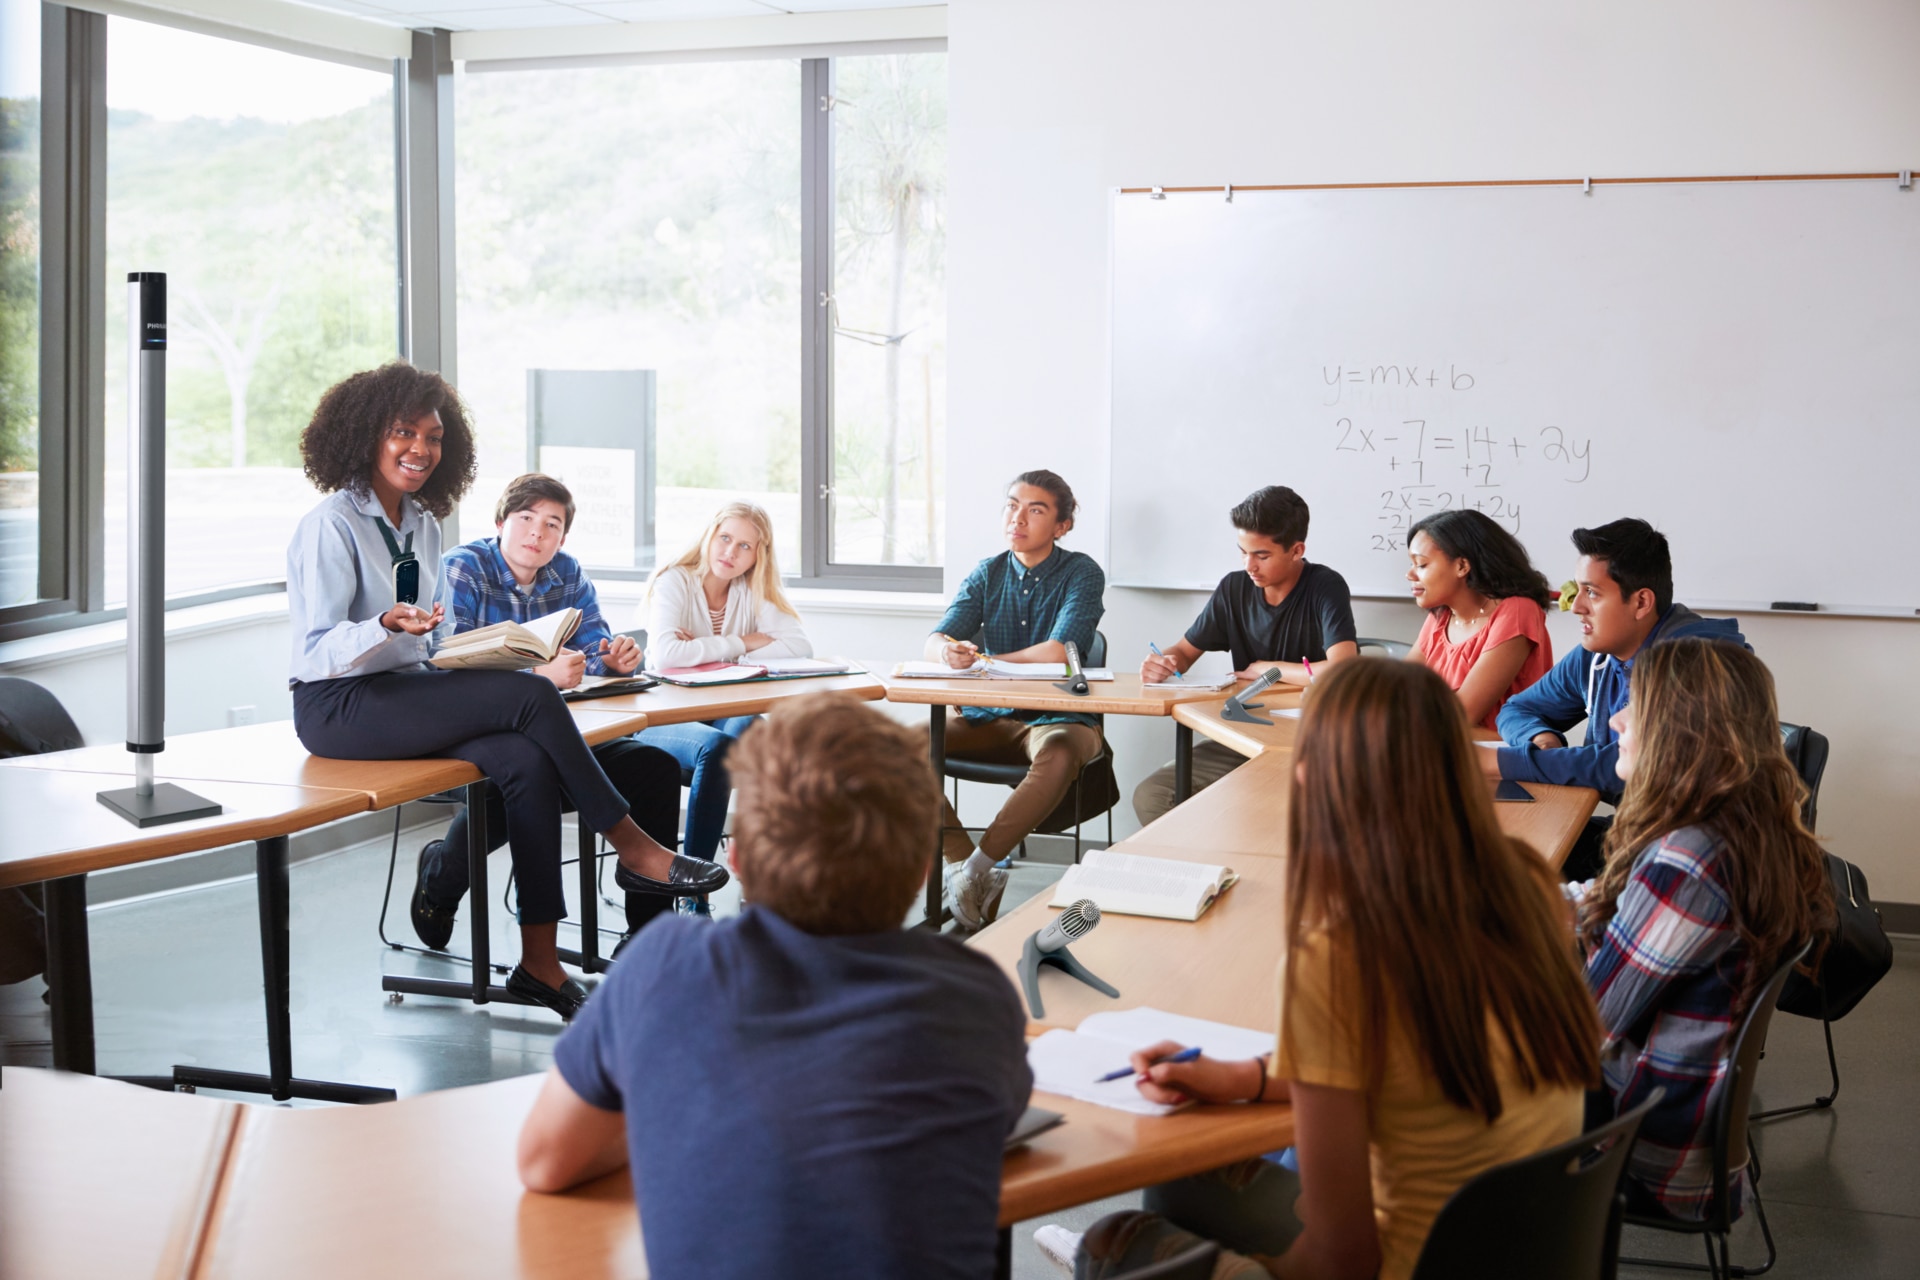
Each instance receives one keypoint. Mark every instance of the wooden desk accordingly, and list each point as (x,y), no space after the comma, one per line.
(673,704)
(1225,966)
(352,1191)
(422,1187)
(1250,740)
(272,753)
(99,1178)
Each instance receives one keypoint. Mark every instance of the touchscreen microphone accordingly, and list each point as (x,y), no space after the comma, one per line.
(1048,946)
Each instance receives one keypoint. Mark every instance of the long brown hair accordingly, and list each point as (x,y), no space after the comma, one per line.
(1444,922)
(1709,755)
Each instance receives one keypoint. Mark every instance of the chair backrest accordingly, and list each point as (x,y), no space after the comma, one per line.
(32,721)
(1729,1106)
(1195,1263)
(1807,748)
(1556,1213)
(1392,648)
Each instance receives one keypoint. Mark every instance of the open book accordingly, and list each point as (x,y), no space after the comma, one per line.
(1131,884)
(1071,1063)
(510,646)
(764,669)
(993,669)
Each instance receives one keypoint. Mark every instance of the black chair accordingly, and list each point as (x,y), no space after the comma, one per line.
(1095,790)
(1726,1120)
(1556,1213)
(1807,748)
(1395,649)
(32,723)
(1195,1264)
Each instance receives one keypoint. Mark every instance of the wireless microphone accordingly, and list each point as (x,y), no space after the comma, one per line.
(1076,681)
(1048,946)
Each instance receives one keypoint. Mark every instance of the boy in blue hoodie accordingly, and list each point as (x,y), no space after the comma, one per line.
(1625,603)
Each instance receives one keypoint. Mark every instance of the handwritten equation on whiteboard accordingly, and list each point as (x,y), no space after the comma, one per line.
(1430,449)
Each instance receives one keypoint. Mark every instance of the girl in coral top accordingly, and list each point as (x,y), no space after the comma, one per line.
(1486,628)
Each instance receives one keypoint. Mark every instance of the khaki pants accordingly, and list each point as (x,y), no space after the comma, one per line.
(1211,762)
(1054,755)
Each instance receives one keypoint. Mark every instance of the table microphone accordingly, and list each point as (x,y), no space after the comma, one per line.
(1077,921)
(1076,681)
(1239,708)
(1048,946)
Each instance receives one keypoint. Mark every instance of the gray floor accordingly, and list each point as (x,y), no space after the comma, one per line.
(177,980)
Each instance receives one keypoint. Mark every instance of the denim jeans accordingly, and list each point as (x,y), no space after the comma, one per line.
(702,747)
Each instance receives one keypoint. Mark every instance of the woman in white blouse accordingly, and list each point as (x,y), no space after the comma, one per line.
(719,602)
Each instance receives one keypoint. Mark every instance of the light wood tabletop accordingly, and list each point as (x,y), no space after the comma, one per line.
(1124,695)
(349,1191)
(1250,740)
(673,704)
(1100,1152)
(421,1187)
(55,826)
(99,1178)
(1224,966)
(271,753)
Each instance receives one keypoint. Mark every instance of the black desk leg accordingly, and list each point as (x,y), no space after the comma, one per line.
(588,956)
(1003,1255)
(270,874)
(937,740)
(1182,762)
(480,988)
(70,974)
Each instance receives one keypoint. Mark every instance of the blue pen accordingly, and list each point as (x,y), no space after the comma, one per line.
(1176,675)
(1185,1055)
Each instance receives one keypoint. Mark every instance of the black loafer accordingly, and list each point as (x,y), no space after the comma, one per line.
(689,878)
(564,999)
(432,922)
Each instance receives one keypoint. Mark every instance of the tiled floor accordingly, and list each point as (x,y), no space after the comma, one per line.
(177,980)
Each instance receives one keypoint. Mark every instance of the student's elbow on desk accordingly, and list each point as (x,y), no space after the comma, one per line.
(566,1141)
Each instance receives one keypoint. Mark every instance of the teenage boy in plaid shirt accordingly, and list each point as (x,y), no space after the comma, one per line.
(1025,605)
(518,575)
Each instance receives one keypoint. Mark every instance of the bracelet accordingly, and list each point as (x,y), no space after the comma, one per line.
(1260,1090)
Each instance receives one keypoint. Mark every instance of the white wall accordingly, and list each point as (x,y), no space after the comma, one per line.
(1053,104)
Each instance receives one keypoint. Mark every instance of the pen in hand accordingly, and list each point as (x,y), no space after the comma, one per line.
(1307,662)
(1185,1055)
(1156,653)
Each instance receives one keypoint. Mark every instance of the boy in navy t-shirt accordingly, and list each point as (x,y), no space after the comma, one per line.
(807,1088)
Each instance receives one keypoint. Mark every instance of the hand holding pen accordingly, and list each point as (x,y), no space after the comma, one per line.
(1172,1074)
(1158,667)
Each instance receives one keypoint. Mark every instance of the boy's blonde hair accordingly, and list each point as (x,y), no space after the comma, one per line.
(835,807)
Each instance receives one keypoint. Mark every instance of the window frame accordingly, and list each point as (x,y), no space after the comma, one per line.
(73,305)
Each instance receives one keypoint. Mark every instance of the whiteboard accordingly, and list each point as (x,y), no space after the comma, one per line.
(1735,362)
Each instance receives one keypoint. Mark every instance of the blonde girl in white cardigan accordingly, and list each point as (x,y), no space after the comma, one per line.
(719,602)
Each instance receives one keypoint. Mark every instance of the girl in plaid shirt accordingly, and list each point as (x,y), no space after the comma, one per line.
(1710,878)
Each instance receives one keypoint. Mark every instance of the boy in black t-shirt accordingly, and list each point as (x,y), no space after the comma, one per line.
(1281,612)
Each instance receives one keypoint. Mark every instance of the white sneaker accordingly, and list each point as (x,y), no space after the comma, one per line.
(974,899)
(1058,1245)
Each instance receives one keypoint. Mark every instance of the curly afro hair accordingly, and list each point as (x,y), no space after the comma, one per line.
(340,445)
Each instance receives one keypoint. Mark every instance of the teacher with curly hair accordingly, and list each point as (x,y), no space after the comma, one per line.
(392,449)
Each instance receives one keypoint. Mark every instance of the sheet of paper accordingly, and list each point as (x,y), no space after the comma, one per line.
(805,666)
(1144,1026)
(1069,1064)
(935,671)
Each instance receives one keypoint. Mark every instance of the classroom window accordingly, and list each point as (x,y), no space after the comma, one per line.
(262,183)
(21,578)
(640,222)
(889,337)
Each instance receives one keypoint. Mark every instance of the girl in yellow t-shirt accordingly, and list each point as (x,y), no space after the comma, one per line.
(1433,1019)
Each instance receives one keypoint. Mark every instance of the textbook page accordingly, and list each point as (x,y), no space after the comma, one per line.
(937,671)
(806,666)
(1132,884)
(1071,1062)
(555,629)
(1001,669)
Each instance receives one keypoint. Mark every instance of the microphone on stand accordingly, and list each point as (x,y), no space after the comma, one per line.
(1240,707)
(1048,946)
(1076,681)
